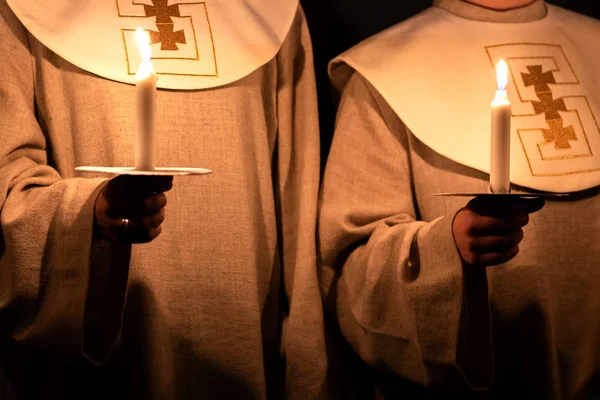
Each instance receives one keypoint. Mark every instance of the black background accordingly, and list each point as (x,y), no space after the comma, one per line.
(337,25)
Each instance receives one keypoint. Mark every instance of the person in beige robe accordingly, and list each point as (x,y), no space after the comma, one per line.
(224,303)
(414,121)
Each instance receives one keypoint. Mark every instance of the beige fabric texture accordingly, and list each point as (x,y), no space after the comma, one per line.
(390,270)
(205,313)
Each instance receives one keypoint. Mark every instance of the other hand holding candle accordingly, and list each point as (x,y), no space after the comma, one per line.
(131,209)
(489,229)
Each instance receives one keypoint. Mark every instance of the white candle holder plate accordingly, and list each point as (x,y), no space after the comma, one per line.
(507,195)
(160,171)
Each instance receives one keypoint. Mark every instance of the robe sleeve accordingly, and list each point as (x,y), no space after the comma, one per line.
(400,292)
(297,184)
(46,221)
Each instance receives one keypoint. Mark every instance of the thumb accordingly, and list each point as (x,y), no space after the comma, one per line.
(531,205)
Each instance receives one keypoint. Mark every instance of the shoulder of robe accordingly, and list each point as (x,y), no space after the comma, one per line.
(195,44)
(382,48)
(297,40)
(437,72)
(9,23)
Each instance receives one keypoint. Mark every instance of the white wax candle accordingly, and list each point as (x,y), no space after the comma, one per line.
(500,139)
(145,105)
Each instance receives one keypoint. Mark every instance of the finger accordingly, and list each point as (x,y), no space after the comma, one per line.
(496,244)
(493,205)
(115,211)
(120,210)
(114,229)
(153,221)
(154,203)
(137,208)
(145,236)
(153,184)
(153,233)
(491,259)
(530,205)
(116,225)
(505,206)
(519,220)
(141,230)
(119,186)
(139,224)
(124,187)
(489,226)
(479,225)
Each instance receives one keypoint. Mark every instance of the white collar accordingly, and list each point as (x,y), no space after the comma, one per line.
(436,71)
(199,44)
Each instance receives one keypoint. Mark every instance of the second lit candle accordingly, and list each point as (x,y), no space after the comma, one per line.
(145,105)
(500,135)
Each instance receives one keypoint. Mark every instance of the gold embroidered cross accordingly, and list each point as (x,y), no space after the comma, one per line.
(556,133)
(166,36)
(559,134)
(540,80)
(549,106)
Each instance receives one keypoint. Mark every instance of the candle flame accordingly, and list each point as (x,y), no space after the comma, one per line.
(502,75)
(142,39)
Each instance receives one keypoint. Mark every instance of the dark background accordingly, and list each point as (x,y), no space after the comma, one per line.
(337,25)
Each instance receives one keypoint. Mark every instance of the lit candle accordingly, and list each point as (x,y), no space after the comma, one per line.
(500,140)
(145,104)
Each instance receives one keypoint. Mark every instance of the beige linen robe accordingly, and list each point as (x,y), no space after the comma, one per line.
(391,271)
(225,303)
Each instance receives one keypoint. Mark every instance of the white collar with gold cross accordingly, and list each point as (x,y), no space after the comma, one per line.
(195,44)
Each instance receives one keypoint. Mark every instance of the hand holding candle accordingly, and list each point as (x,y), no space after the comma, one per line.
(500,135)
(145,105)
